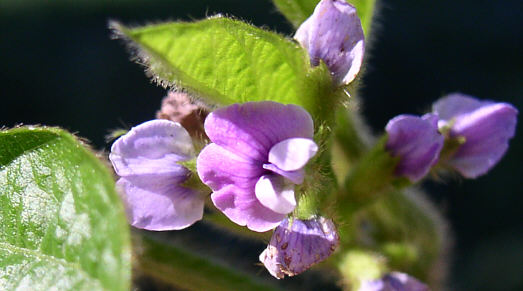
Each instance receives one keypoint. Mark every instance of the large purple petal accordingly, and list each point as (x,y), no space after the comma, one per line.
(416,141)
(218,167)
(242,207)
(159,203)
(333,33)
(487,131)
(153,147)
(233,179)
(252,128)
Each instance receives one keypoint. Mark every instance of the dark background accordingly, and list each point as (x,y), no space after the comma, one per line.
(60,67)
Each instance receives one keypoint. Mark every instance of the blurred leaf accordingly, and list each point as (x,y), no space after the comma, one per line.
(183,268)
(226,61)
(410,232)
(297,11)
(62,225)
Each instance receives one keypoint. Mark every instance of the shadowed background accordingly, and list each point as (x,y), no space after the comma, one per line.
(60,67)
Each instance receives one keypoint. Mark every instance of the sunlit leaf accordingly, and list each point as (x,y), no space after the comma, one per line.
(224,61)
(62,226)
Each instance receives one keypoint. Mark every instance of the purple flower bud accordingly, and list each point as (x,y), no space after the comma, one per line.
(416,141)
(146,159)
(257,154)
(296,245)
(394,281)
(485,126)
(333,34)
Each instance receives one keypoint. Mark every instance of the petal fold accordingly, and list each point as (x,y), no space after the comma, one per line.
(292,154)
(273,193)
(153,147)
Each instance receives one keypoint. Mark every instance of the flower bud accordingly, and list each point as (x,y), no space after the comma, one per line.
(297,244)
(417,143)
(484,126)
(333,34)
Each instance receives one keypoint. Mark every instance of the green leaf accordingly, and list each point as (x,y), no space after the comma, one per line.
(225,61)
(297,11)
(62,225)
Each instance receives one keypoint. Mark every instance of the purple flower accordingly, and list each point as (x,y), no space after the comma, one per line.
(333,34)
(146,159)
(296,245)
(416,141)
(486,126)
(394,281)
(257,154)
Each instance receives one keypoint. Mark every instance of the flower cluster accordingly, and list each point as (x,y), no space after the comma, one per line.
(257,152)
(475,133)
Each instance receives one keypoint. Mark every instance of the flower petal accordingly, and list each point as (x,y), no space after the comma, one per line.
(292,154)
(159,204)
(333,33)
(487,131)
(295,177)
(273,193)
(153,147)
(416,141)
(455,104)
(242,207)
(252,128)
(394,281)
(218,167)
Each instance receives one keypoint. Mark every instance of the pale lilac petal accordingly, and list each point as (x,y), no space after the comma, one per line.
(218,167)
(242,207)
(487,131)
(153,147)
(298,244)
(295,177)
(394,281)
(252,128)
(333,33)
(455,104)
(292,154)
(275,194)
(416,141)
(159,203)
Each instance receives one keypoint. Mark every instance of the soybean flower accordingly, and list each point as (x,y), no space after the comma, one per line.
(485,126)
(257,155)
(146,160)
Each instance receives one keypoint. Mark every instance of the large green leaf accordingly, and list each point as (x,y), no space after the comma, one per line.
(297,11)
(225,61)
(62,226)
